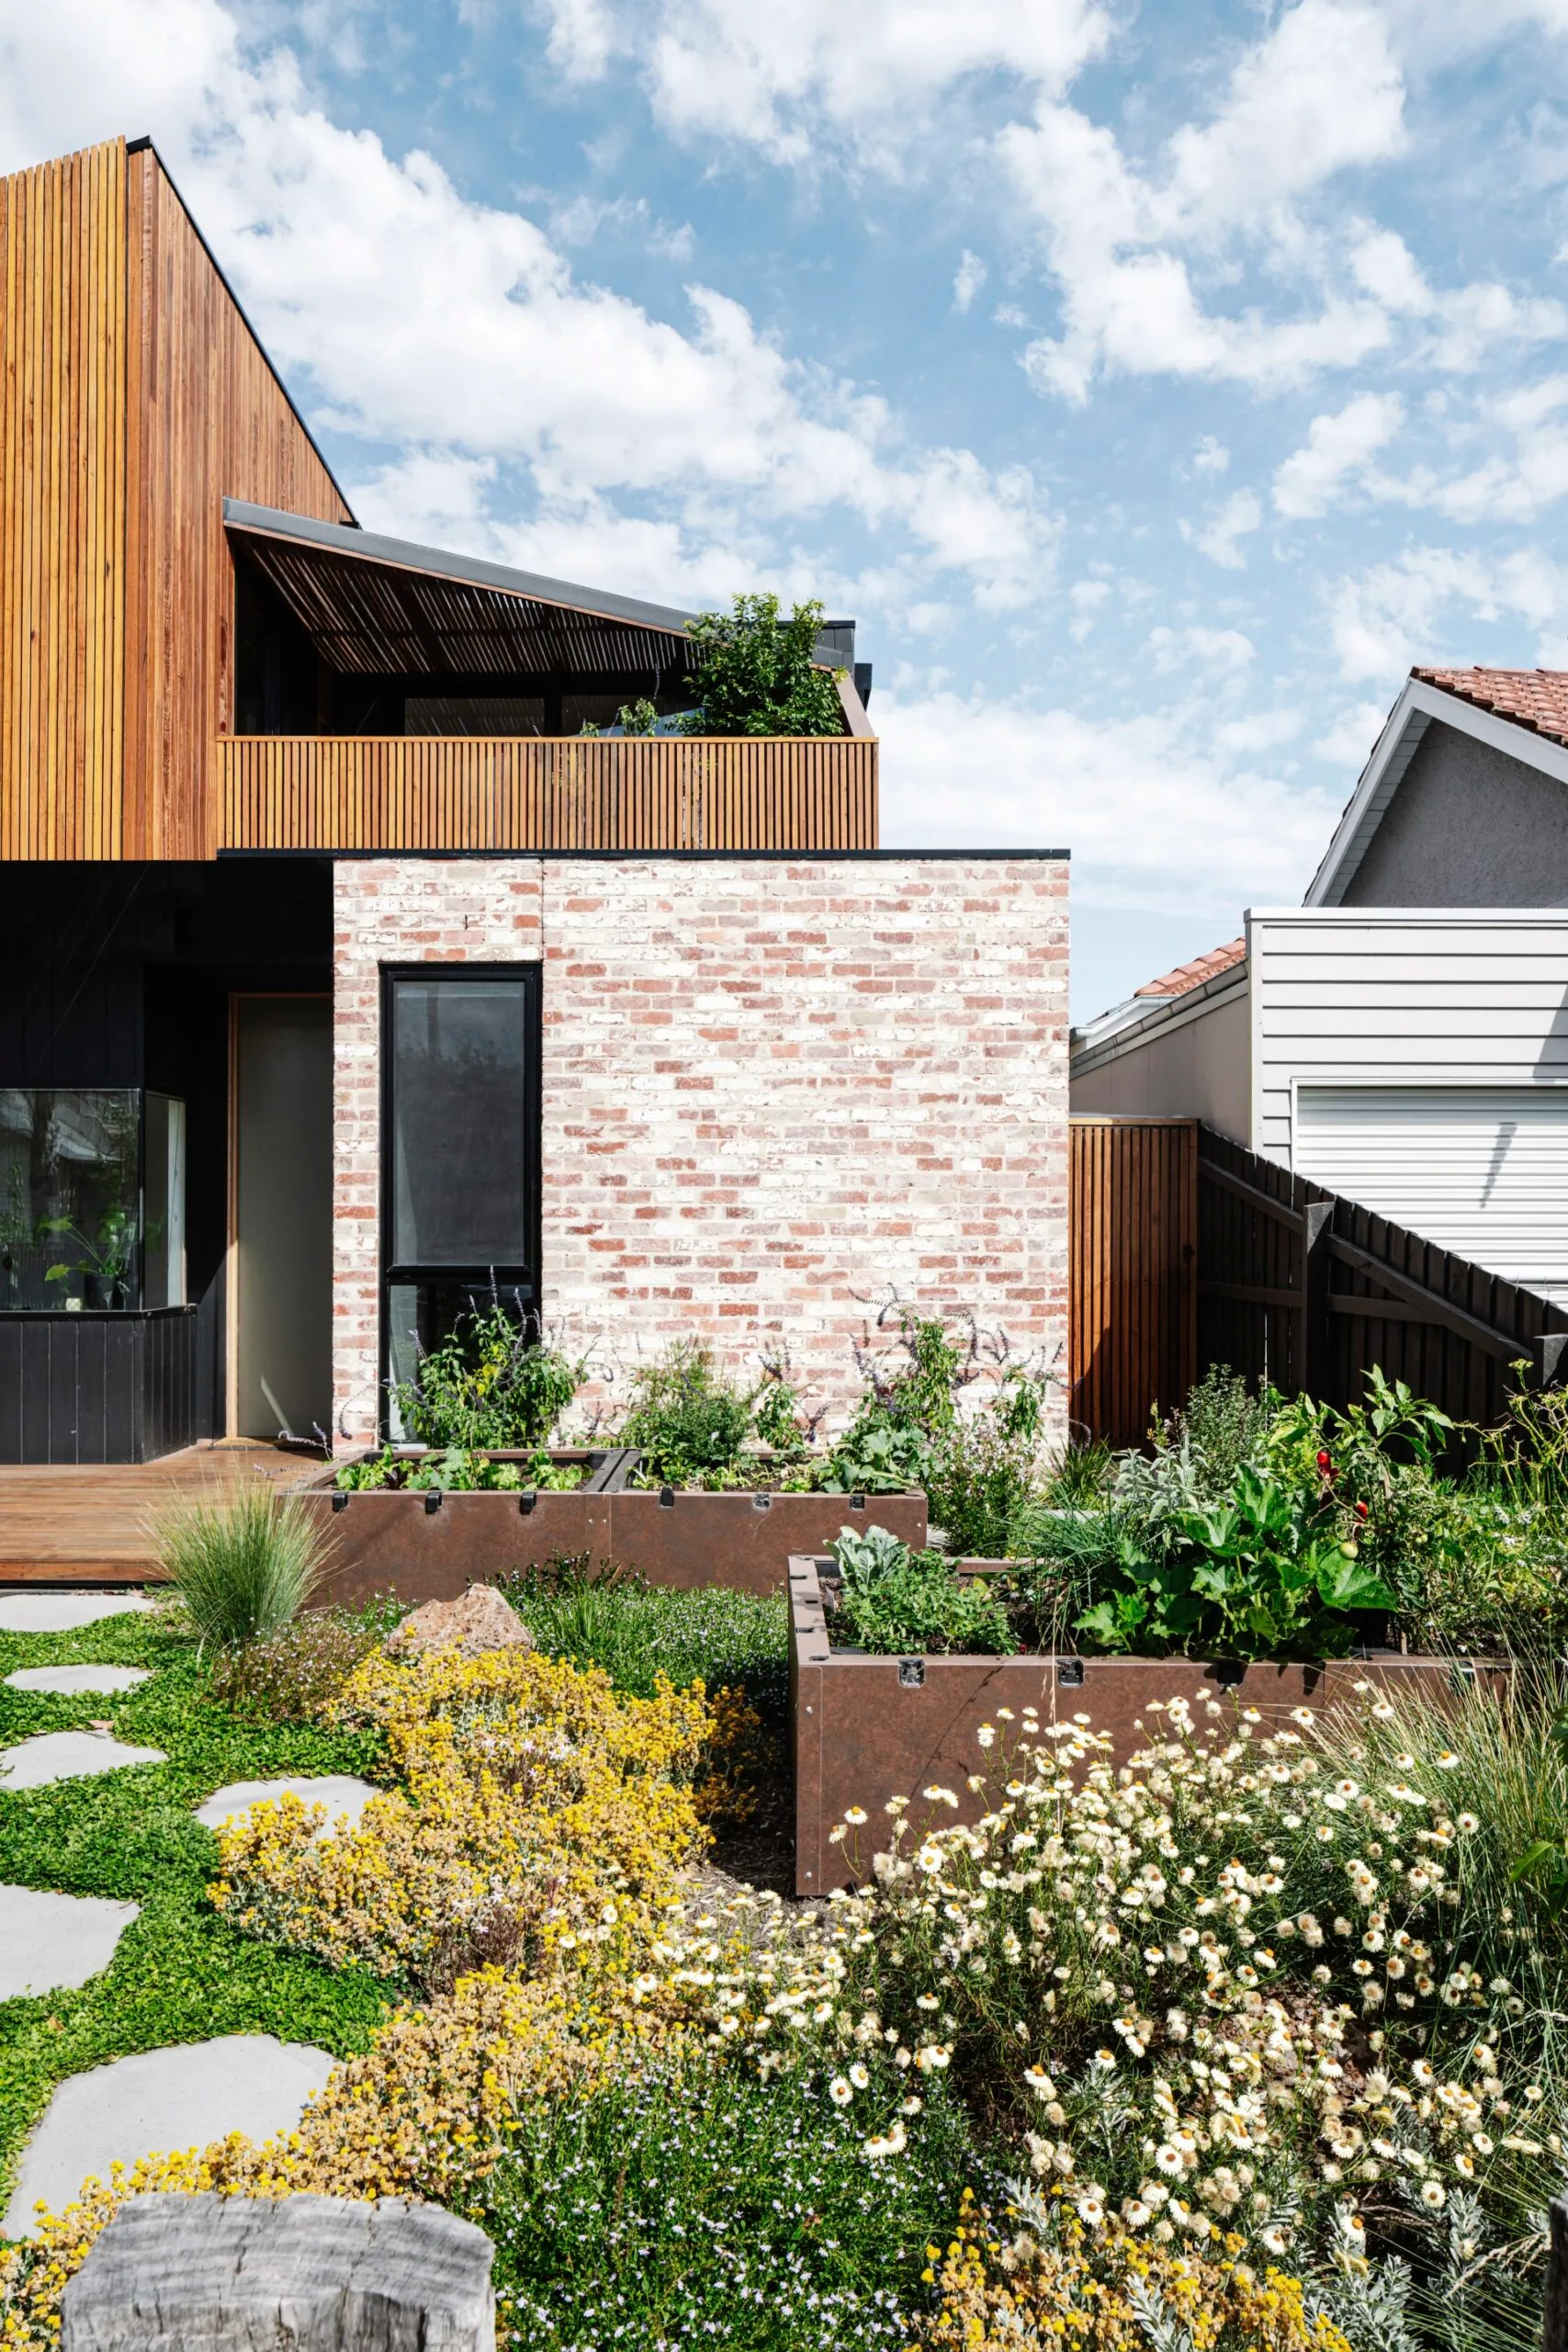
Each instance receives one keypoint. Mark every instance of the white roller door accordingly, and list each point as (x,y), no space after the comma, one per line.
(1480,1170)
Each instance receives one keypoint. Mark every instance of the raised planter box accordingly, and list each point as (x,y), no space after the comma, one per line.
(865,1728)
(429,1547)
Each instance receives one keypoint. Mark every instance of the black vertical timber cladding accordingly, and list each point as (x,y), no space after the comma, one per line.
(121,975)
(1241,1248)
(84,1387)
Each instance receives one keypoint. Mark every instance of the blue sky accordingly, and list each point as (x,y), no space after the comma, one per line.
(1153,386)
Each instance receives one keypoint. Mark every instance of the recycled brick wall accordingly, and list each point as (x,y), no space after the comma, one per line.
(772,1090)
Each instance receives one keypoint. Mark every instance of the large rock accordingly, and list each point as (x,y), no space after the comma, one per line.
(479,1622)
(302,2274)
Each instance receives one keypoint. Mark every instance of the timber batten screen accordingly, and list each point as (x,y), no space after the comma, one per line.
(62,481)
(503,793)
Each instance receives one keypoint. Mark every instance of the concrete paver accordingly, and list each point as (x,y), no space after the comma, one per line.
(68,1756)
(161,2101)
(52,1942)
(339,1792)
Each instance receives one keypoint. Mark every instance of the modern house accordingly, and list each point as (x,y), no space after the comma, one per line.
(1402,1038)
(340,973)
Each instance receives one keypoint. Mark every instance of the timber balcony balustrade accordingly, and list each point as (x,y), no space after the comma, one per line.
(396,792)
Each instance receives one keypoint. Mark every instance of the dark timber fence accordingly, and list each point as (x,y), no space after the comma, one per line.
(1287,1283)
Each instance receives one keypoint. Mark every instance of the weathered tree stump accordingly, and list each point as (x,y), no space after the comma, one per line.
(297,2274)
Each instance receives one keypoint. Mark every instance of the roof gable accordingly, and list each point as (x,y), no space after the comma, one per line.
(1521,713)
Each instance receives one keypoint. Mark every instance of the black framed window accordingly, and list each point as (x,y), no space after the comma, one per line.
(460,1149)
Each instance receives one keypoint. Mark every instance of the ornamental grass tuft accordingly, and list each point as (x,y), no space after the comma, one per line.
(242,1565)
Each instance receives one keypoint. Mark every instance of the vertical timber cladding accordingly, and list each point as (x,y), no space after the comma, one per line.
(208,419)
(1132,1291)
(63,581)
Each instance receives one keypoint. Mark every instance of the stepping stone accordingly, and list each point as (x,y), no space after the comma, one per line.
(63,1612)
(68,1756)
(158,2101)
(73,1679)
(53,1942)
(339,1792)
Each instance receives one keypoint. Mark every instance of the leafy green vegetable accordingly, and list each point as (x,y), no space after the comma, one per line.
(895,1599)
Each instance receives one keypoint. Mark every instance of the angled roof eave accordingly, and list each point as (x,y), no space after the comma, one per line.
(1107,1037)
(1418,706)
(406,555)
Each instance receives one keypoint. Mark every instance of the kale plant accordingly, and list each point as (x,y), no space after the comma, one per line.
(895,1599)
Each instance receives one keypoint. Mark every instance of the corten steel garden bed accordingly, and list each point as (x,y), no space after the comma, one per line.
(867,1728)
(430,1547)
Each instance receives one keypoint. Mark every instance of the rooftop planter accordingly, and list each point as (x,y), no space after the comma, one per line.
(431,1545)
(866,1729)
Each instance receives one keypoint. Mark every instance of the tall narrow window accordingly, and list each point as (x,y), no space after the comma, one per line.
(460,1136)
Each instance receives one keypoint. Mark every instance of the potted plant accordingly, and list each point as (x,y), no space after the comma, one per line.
(105,1264)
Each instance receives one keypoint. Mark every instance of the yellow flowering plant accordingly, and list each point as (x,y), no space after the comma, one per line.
(1054,2284)
(543,1820)
(428,2111)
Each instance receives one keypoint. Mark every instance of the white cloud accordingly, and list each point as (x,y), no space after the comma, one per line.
(819,78)
(1220,537)
(1210,456)
(1319,94)
(1336,449)
(1397,614)
(458,330)
(1348,741)
(1157,812)
(1183,650)
(968,280)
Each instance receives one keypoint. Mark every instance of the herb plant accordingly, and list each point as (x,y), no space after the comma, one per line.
(490,1384)
(894,1600)
(602,1615)
(456,1472)
(690,1423)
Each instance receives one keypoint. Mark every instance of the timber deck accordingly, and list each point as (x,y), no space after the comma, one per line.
(93,1523)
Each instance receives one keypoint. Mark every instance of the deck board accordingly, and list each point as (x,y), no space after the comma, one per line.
(92,1523)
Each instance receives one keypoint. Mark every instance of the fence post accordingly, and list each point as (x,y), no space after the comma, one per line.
(1548,1352)
(1314,1364)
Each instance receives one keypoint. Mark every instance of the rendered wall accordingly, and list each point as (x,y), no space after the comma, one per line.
(1467,826)
(1191,1067)
(772,1089)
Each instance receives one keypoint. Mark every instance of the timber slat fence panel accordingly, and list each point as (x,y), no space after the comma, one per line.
(414,792)
(1132,1231)
(1301,1287)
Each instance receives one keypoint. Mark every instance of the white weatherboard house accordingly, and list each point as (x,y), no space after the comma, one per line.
(1402,1037)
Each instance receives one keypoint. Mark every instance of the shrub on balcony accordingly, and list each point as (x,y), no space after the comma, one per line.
(756,673)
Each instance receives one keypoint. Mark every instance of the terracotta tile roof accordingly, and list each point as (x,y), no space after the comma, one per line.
(1534,698)
(1194,975)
